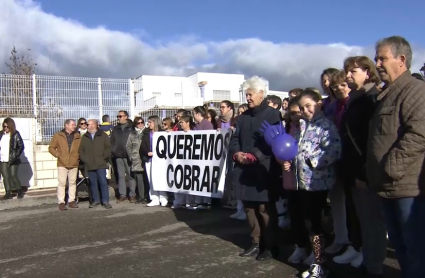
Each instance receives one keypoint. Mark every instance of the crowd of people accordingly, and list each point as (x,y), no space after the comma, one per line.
(362,149)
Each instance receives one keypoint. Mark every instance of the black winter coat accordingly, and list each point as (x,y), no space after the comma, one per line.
(354,133)
(257,182)
(119,137)
(145,146)
(16,148)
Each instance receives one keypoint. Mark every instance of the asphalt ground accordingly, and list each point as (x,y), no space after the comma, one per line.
(132,240)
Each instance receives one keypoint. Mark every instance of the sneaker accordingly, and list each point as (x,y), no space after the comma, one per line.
(299,255)
(357,262)
(163,203)
(241,217)
(107,205)
(192,206)
(122,199)
(62,206)
(309,260)
(315,271)
(94,205)
(347,257)
(153,204)
(237,214)
(203,206)
(284,222)
(334,248)
(178,206)
(73,205)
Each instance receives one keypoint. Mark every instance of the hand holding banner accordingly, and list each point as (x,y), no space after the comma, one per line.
(190,162)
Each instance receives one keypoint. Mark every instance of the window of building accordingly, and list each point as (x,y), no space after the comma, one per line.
(156,94)
(221,95)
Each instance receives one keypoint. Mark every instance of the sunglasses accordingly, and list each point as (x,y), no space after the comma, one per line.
(164,124)
(139,123)
(120,116)
(83,123)
(5,126)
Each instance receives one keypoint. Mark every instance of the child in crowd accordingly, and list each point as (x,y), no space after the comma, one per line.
(319,147)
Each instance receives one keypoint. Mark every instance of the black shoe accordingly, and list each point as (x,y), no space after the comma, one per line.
(141,201)
(254,250)
(20,194)
(107,205)
(7,196)
(264,256)
(94,205)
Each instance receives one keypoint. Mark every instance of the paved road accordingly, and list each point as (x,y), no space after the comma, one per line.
(134,241)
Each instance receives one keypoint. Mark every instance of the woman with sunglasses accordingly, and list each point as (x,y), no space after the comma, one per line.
(11,148)
(136,166)
(82,126)
(167,124)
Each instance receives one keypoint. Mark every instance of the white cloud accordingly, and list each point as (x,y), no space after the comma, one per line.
(67,47)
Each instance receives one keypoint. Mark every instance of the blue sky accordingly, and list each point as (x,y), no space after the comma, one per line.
(305,21)
(287,42)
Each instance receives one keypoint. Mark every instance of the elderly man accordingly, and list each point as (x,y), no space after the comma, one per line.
(396,148)
(64,146)
(95,149)
(256,172)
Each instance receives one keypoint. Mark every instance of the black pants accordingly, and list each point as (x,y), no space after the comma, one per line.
(306,209)
(353,223)
(10,176)
(140,183)
(262,218)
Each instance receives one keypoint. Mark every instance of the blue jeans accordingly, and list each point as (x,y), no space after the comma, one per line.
(405,219)
(98,179)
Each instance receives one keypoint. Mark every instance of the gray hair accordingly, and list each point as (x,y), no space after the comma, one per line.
(95,121)
(399,46)
(256,84)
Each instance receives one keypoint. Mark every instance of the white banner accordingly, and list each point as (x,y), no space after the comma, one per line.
(191,162)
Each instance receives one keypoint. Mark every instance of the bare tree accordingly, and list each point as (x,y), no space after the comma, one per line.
(17,90)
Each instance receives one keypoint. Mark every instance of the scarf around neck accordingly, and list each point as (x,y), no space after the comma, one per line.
(226,117)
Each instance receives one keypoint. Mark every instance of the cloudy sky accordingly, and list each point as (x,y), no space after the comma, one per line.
(288,42)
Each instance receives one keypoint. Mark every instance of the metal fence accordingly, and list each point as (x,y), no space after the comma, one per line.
(53,99)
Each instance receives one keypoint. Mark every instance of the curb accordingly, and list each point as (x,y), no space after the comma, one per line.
(35,198)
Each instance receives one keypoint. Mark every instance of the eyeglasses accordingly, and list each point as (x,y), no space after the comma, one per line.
(83,123)
(139,123)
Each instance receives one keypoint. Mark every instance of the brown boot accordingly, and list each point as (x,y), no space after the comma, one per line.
(73,205)
(122,199)
(133,199)
(62,206)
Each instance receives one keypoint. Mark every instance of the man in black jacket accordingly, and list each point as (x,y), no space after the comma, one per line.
(119,136)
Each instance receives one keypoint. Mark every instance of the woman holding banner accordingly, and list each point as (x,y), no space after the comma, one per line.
(200,115)
(154,125)
(256,172)
(184,200)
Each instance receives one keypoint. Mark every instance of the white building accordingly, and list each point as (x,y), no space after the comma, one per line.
(168,93)
(194,90)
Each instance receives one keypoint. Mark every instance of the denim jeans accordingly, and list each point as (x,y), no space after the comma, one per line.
(405,219)
(98,179)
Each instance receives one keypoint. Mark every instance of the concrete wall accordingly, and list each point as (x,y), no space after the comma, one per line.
(46,168)
(38,168)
